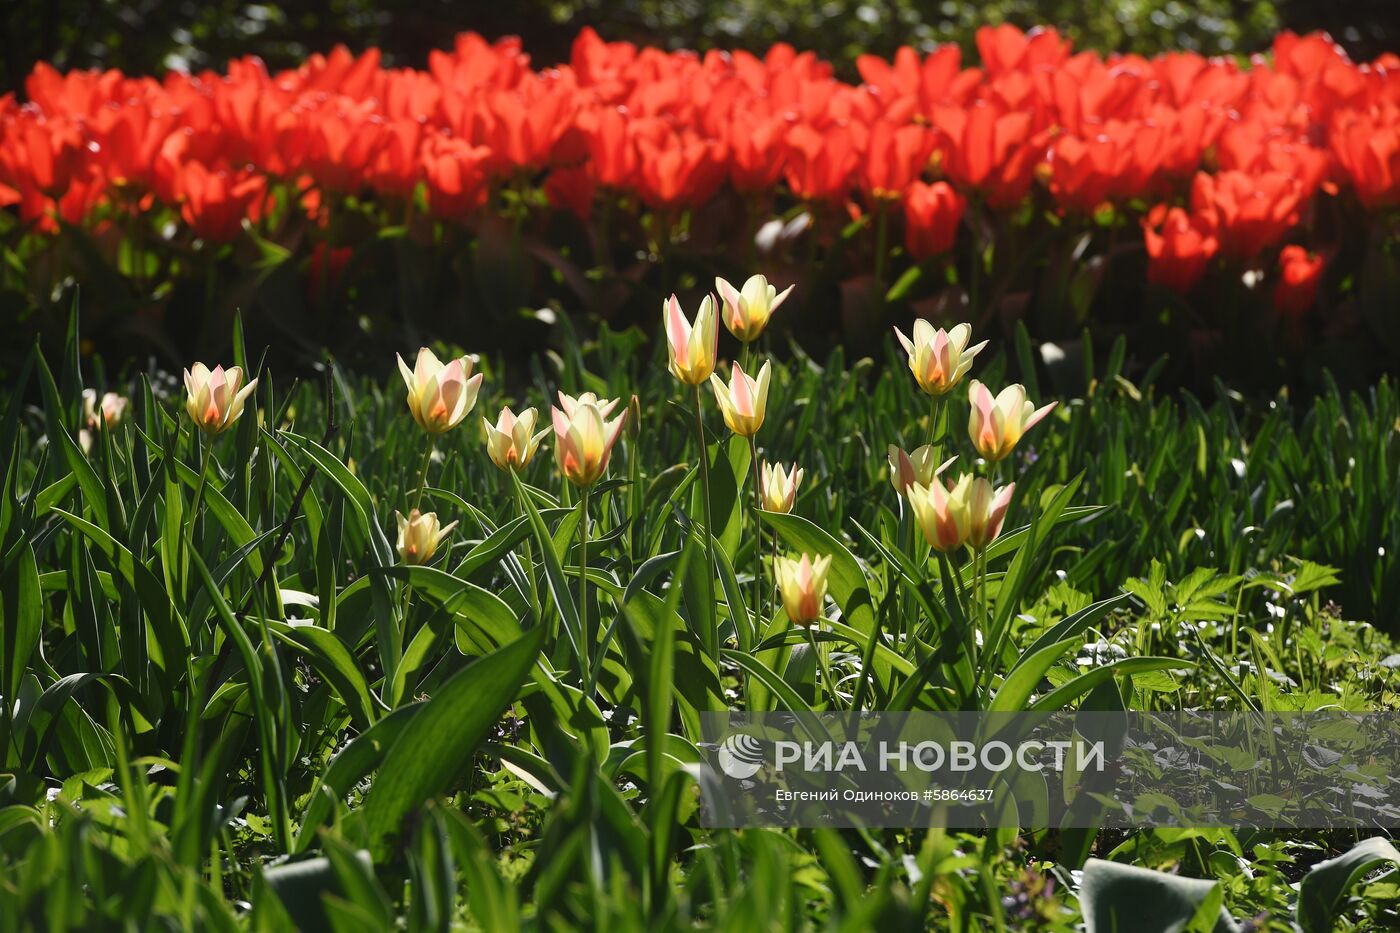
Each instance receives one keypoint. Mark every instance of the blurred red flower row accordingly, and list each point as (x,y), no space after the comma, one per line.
(1220,158)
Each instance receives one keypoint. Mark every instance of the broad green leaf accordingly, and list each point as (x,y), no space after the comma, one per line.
(420,763)
(1325,886)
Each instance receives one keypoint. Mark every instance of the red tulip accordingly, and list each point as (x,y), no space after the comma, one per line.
(819,163)
(989,147)
(1179,247)
(456,174)
(1300,273)
(571,189)
(217,201)
(931,217)
(895,156)
(1250,212)
(1367,146)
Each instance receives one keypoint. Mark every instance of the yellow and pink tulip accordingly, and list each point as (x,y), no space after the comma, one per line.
(779,486)
(996,423)
(512,441)
(214,398)
(747,309)
(802,584)
(938,358)
(583,438)
(744,400)
(440,395)
(692,346)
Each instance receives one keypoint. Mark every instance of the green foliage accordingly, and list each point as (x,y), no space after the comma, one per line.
(234,707)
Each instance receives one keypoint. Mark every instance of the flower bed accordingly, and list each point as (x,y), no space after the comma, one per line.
(1023,183)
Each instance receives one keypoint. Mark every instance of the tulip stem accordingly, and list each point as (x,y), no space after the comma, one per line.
(585,635)
(933,413)
(711,634)
(203,457)
(744,357)
(423,474)
(758,531)
(820,661)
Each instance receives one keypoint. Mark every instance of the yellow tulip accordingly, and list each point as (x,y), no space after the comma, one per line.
(917,467)
(987,508)
(213,398)
(938,358)
(996,424)
(803,586)
(943,513)
(440,395)
(583,441)
(110,411)
(420,535)
(511,442)
(747,309)
(744,400)
(779,487)
(692,347)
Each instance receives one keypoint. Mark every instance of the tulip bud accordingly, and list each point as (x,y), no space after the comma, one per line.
(634,417)
(109,411)
(996,424)
(440,395)
(511,442)
(918,467)
(987,507)
(803,587)
(583,440)
(938,358)
(420,535)
(943,513)
(692,348)
(744,401)
(779,488)
(747,309)
(213,398)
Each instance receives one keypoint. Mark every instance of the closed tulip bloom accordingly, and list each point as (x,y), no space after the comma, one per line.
(420,535)
(747,309)
(803,586)
(692,347)
(511,442)
(744,400)
(109,411)
(214,398)
(779,487)
(583,440)
(938,358)
(943,513)
(996,424)
(440,395)
(988,510)
(919,467)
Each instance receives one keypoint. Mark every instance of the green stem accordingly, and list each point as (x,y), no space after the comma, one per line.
(711,633)
(758,532)
(935,408)
(744,358)
(204,456)
(587,635)
(811,631)
(423,474)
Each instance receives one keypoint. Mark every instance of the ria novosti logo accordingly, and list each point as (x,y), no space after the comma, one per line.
(740,756)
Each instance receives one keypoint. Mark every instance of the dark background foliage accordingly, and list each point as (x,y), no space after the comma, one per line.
(147,36)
